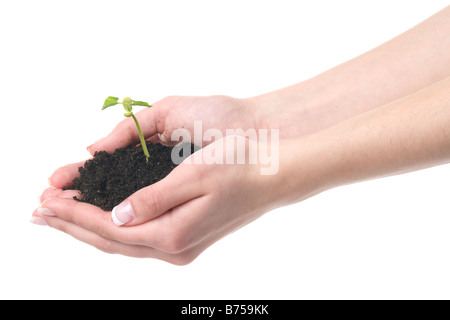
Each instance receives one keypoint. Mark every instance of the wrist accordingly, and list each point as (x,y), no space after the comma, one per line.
(301,109)
(305,169)
(280,109)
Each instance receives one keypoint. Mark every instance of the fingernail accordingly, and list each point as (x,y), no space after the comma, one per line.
(46,212)
(162,138)
(123,213)
(38,221)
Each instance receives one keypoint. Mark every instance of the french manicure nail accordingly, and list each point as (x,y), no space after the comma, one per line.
(123,213)
(38,221)
(45,212)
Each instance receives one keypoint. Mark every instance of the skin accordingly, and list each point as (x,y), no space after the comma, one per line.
(383,113)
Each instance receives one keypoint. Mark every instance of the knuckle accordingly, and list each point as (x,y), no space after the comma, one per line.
(153,200)
(100,230)
(137,238)
(175,242)
(106,246)
(59,225)
(129,131)
(48,194)
(181,260)
(125,130)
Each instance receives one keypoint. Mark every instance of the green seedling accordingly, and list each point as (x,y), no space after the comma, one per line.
(128,106)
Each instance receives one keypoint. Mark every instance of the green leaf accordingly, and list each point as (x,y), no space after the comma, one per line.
(109,102)
(141,103)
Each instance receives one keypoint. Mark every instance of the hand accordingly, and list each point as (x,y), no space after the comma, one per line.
(171,113)
(176,218)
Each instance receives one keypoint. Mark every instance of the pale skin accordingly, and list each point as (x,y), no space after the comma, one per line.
(383,113)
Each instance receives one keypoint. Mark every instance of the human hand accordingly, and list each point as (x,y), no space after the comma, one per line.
(186,198)
(176,218)
(175,112)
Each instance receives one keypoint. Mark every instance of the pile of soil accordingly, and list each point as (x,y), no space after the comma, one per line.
(108,179)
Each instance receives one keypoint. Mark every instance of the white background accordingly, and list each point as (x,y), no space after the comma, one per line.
(386,239)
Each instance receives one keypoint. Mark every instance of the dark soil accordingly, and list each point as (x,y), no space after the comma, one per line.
(108,179)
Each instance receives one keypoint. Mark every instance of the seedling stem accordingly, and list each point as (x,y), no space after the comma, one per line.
(128,104)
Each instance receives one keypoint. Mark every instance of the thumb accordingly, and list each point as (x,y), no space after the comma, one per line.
(152,201)
(125,133)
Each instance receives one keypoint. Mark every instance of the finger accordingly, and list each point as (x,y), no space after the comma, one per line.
(125,133)
(148,203)
(83,214)
(92,225)
(96,220)
(63,177)
(93,239)
(114,247)
(162,139)
(51,192)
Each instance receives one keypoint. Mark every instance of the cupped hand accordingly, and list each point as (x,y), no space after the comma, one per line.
(175,112)
(198,203)
(176,218)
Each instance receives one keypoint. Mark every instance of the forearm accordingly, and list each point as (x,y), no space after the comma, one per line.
(401,66)
(403,136)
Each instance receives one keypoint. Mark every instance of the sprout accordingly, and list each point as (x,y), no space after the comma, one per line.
(128,106)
